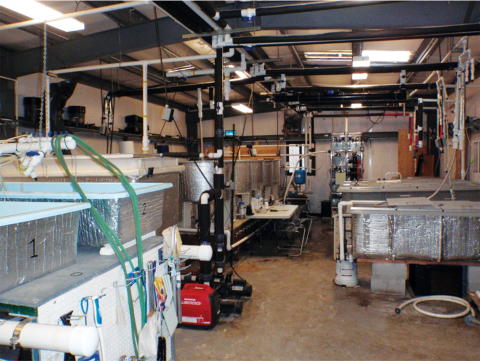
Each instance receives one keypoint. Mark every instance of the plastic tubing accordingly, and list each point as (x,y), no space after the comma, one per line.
(111,237)
(451,299)
(445,178)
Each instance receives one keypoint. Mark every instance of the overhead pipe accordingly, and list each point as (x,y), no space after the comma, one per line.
(442,61)
(342,70)
(364,36)
(184,88)
(76,14)
(292,9)
(350,97)
(140,63)
(361,88)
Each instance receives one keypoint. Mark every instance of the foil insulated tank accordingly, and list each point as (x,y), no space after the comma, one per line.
(444,232)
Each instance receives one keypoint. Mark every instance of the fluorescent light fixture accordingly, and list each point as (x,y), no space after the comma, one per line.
(38,11)
(356,105)
(360,61)
(181,68)
(328,55)
(359,76)
(379,56)
(242,108)
(242,74)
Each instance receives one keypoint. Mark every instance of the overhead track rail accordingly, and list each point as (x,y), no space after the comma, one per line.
(348,37)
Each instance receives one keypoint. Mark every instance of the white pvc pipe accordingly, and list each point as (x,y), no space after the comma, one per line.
(145,141)
(216,155)
(204,198)
(194,230)
(141,63)
(202,253)
(76,14)
(244,239)
(77,340)
(35,144)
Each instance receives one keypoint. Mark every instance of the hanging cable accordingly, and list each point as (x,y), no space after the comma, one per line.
(44,81)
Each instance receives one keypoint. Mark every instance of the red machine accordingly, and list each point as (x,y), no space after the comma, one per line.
(200,305)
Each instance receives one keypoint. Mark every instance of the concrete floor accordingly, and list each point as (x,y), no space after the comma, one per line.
(297,313)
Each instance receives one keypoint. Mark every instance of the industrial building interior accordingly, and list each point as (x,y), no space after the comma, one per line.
(239,180)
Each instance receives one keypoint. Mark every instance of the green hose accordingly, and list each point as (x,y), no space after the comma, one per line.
(115,243)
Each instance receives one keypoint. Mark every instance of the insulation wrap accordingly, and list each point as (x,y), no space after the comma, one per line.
(418,237)
(29,250)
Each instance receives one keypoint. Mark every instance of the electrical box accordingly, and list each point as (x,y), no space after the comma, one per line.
(167,114)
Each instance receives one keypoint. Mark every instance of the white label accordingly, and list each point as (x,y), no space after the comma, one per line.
(189,319)
(237,288)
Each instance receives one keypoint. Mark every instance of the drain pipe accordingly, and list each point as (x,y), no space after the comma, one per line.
(204,225)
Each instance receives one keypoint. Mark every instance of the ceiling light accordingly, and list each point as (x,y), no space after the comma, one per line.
(356,105)
(378,56)
(242,108)
(38,11)
(360,61)
(242,74)
(359,76)
(328,55)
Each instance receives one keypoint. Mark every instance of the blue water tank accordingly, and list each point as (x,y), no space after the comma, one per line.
(300,176)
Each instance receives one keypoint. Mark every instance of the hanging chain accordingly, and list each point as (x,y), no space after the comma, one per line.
(44,79)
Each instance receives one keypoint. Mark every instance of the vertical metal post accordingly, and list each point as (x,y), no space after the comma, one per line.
(218,177)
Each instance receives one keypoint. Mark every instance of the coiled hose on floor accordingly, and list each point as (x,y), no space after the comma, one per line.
(452,299)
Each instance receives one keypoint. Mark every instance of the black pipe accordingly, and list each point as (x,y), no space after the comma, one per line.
(300,8)
(204,233)
(218,177)
(370,35)
(361,88)
(420,121)
(326,98)
(342,70)
(372,108)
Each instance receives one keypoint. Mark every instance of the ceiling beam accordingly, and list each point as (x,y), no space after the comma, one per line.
(98,83)
(108,43)
(297,59)
(382,16)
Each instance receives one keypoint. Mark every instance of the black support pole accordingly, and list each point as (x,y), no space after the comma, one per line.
(218,177)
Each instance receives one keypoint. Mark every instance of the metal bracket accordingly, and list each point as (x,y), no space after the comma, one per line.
(14,341)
